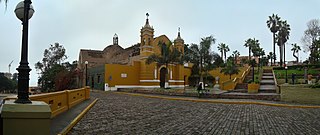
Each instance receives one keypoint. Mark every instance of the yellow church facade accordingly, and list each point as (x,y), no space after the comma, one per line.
(139,74)
(115,67)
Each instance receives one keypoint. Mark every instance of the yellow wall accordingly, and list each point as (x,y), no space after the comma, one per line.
(115,71)
(224,78)
(187,73)
(61,101)
(155,43)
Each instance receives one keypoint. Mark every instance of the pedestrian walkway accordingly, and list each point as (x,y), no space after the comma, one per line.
(127,113)
(267,84)
(61,121)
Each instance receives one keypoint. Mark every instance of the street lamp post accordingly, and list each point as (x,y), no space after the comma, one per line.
(86,62)
(286,73)
(252,70)
(24,12)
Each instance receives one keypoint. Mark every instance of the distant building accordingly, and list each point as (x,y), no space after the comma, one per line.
(6,74)
(240,59)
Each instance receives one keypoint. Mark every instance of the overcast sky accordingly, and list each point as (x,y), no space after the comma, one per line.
(80,24)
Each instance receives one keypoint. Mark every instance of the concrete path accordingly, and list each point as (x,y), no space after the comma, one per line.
(128,114)
(61,121)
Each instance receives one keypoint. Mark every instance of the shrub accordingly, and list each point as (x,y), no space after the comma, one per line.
(317,85)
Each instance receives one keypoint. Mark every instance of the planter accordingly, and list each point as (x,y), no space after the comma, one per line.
(253,87)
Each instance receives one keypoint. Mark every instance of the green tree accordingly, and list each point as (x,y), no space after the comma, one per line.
(269,57)
(186,57)
(295,49)
(168,55)
(223,48)
(282,37)
(273,24)
(252,44)
(6,83)
(201,54)
(230,69)
(66,77)
(51,66)
(235,54)
(311,34)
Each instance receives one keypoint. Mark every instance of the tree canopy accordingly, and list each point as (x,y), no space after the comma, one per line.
(202,56)
(230,69)
(54,71)
(309,39)
(168,55)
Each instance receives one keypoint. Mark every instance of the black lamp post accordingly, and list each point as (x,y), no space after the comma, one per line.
(253,70)
(286,73)
(86,62)
(24,12)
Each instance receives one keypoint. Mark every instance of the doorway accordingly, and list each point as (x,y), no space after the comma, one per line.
(162,77)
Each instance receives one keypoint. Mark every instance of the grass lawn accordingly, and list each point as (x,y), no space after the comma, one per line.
(300,94)
(299,73)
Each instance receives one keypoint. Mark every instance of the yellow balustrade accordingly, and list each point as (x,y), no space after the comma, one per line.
(231,84)
(61,101)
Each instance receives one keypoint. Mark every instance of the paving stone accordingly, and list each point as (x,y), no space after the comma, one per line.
(125,114)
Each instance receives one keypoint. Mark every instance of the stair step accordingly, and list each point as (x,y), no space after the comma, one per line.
(267,82)
(267,74)
(267,77)
(267,91)
(267,87)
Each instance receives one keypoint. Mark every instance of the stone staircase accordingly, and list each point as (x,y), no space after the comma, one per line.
(267,84)
(243,87)
(267,89)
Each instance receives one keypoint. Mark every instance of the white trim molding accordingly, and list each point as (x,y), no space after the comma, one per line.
(149,80)
(179,86)
(135,86)
(176,80)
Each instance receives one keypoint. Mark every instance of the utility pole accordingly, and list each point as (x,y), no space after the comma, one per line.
(10,65)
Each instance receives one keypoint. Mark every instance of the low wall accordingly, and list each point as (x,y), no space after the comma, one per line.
(300,94)
(62,100)
(231,84)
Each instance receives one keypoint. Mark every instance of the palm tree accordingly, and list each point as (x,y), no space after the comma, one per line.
(230,69)
(270,57)
(226,49)
(282,37)
(295,49)
(168,55)
(235,55)
(221,47)
(248,44)
(200,54)
(252,44)
(261,53)
(273,25)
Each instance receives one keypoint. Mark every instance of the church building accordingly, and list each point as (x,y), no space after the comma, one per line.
(116,67)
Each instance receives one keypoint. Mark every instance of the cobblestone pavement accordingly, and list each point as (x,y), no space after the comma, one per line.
(124,114)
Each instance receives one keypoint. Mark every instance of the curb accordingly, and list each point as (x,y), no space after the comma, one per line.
(221,102)
(77,119)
